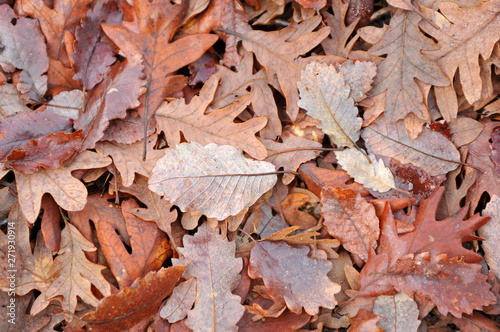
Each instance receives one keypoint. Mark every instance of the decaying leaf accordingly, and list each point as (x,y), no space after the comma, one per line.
(371,173)
(211,261)
(400,312)
(221,179)
(289,274)
(325,96)
(430,150)
(351,219)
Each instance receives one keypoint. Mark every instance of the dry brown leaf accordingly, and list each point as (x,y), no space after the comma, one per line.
(233,85)
(464,130)
(290,207)
(430,151)
(68,192)
(128,158)
(181,301)
(279,155)
(469,34)
(400,312)
(339,43)
(222,180)
(371,173)
(268,10)
(289,274)
(359,76)
(11,102)
(403,43)
(351,219)
(491,235)
(325,96)
(216,127)
(211,262)
(279,60)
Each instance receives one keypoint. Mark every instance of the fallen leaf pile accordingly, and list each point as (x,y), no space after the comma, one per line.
(250,165)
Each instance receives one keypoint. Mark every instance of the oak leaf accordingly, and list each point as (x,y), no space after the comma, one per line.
(454,286)
(288,44)
(365,321)
(400,313)
(211,261)
(325,96)
(68,192)
(151,36)
(339,43)
(93,52)
(430,151)
(367,170)
(65,16)
(110,99)
(469,34)
(446,236)
(351,219)
(291,153)
(233,85)
(222,180)
(135,303)
(216,127)
(149,247)
(491,235)
(359,77)
(403,43)
(23,47)
(181,301)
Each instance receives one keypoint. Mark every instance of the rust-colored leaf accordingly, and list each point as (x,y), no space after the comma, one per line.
(289,274)
(50,227)
(211,261)
(351,219)
(135,303)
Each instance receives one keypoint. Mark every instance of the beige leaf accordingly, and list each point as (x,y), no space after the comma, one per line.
(69,193)
(180,302)
(464,130)
(491,234)
(370,173)
(359,76)
(325,96)
(216,181)
(10,101)
(216,127)
(211,262)
(400,312)
(430,150)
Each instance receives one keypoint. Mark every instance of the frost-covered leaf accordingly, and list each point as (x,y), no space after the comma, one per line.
(325,96)
(371,173)
(214,180)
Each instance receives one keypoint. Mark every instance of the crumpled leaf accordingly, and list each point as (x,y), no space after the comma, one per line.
(23,47)
(351,219)
(68,192)
(430,150)
(216,127)
(93,52)
(446,236)
(370,173)
(110,99)
(289,274)
(491,235)
(403,43)
(288,44)
(325,96)
(291,160)
(180,302)
(211,261)
(222,180)
(135,303)
(263,102)
(400,313)
(149,247)
(454,286)
(471,33)
(151,37)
